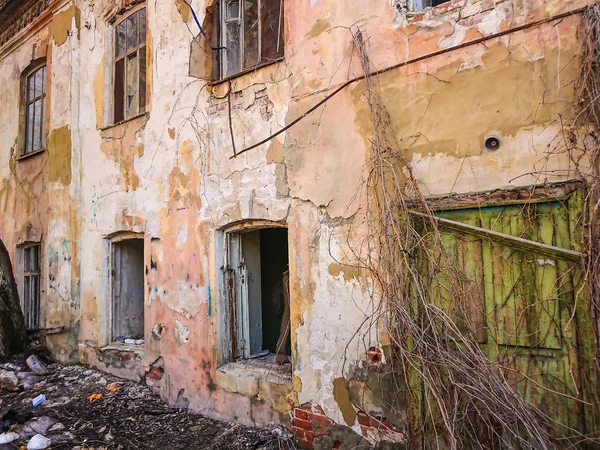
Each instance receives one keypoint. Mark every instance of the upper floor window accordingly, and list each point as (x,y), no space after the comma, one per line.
(35,116)
(130,66)
(251,32)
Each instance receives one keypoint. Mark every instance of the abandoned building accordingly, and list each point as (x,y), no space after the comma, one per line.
(184,188)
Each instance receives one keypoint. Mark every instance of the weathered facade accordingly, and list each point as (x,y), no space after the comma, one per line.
(148,220)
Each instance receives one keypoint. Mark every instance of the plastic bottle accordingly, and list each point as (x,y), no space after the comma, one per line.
(38,400)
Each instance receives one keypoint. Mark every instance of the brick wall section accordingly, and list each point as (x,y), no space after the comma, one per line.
(309,420)
(368,423)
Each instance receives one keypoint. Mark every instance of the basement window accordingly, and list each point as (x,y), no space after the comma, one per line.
(251,32)
(257,294)
(419,5)
(31,255)
(127,273)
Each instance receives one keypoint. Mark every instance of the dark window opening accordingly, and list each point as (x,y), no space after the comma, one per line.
(31,286)
(128,289)
(35,111)
(251,32)
(422,4)
(260,261)
(130,66)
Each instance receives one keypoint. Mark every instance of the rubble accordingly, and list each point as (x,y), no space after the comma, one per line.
(124,415)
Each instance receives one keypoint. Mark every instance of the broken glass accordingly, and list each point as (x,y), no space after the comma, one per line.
(120,40)
(132,32)
(132,86)
(142,27)
(142,96)
(37,125)
(233,48)
(251,29)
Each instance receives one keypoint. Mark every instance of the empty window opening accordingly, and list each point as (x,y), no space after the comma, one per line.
(128,289)
(31,285)
(259,293)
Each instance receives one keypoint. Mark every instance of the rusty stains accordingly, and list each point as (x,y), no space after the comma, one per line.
(318,28)
(62,24)
(99,93)
(184,10)
(275,152)
(59,147)
(348,272)
(171,133)
(342,397)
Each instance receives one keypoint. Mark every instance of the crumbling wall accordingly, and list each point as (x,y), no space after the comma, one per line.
(175,174)
(37,199)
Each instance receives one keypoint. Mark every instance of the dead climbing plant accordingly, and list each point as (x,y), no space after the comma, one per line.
(446,387)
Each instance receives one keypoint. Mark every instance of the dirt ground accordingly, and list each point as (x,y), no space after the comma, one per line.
(127,415)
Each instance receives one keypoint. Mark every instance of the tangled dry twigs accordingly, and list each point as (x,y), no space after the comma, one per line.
(448,388)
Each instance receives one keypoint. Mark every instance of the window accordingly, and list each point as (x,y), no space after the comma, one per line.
(130,66)
(35,116)
(31,286)
(257,294)
(419,5)
(251,32)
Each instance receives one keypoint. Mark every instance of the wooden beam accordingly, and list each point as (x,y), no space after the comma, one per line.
(522,243)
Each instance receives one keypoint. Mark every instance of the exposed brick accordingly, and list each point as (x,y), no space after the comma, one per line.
(304,424)
(300,414)
(319,419)
(364,420)
(309,435)
(300,433)
(337,445)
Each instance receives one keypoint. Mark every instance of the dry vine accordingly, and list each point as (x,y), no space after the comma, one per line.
(448,389)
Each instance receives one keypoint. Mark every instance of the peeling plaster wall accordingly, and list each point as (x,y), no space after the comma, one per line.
(35,195)
(168,174)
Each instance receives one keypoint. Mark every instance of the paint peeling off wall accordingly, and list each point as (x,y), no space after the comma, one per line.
(177,178)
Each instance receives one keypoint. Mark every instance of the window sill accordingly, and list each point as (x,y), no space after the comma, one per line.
(130,119)
(264,369)
(245,72)
(29,155)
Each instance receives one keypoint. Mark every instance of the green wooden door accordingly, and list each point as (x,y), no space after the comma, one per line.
(526,307)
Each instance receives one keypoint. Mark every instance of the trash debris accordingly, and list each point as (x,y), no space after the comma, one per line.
(87,373)
(94,397)
(8,379)
(36,365)
(9,418)
(38,442)
(114,387)
(7,438)
(38,400)
(56,427)
(39,425)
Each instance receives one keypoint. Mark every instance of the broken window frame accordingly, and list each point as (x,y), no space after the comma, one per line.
(121,69)
(32,277)
(265,54)
(34,140)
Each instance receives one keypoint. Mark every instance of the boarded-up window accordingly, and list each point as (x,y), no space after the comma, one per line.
(35,110)
(519,303)
(31,286)
(130,66)
(251,32)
